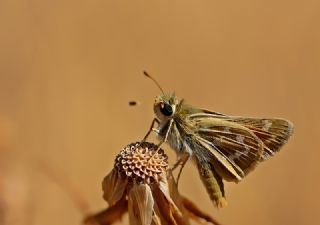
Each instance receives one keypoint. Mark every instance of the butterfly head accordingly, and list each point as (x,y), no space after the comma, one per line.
(165,106)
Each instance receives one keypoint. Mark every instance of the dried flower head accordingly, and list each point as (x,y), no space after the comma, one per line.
(142,184)
(141,163)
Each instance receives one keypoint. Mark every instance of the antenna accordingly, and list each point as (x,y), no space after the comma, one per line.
(154,80)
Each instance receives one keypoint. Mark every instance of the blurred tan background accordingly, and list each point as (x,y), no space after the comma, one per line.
(68,69)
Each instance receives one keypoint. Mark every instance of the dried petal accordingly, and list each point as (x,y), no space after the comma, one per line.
(174,193)
(165,207)
(156,219)
(164,187)
(108,216)
(140,205)
(196,214)
(113,187)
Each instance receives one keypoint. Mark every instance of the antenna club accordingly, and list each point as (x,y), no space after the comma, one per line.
(146,74)
(154,80)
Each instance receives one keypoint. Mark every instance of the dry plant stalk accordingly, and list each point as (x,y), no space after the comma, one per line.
(142,184)
(2,204)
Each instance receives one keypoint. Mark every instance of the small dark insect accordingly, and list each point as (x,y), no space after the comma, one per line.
(133,103)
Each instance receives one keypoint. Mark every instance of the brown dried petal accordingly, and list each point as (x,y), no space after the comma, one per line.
(140,205)
(109,215)
(197,214)
(165,208)
(113,187)
(155,218)
(164,187)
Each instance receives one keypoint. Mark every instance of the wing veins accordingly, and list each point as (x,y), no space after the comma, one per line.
(231,139)
(223,155)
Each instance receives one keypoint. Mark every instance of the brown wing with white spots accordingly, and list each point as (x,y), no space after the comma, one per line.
(233,149)
(238,144)
(274,133)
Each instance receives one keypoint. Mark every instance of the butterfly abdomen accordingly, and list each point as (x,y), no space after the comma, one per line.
(212,182)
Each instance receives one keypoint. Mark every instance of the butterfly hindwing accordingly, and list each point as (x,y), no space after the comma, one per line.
(235,146)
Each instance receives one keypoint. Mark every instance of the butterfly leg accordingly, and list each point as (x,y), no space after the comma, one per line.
(155,120)
(166,135)
(182,162)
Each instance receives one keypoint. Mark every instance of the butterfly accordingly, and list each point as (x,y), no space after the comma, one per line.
(222,147)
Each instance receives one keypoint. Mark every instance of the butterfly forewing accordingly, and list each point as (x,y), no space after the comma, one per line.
(274,133)
(243,142)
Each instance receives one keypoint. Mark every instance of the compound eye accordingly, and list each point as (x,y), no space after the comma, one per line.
(166,109)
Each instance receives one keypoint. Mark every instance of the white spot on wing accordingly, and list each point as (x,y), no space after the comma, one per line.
(240,138)
(227,129)
(238,154)
(267,125)
(246,152)
(235,156)
(265,156)
(290,128)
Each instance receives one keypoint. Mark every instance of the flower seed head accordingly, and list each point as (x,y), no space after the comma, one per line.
(141,162)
